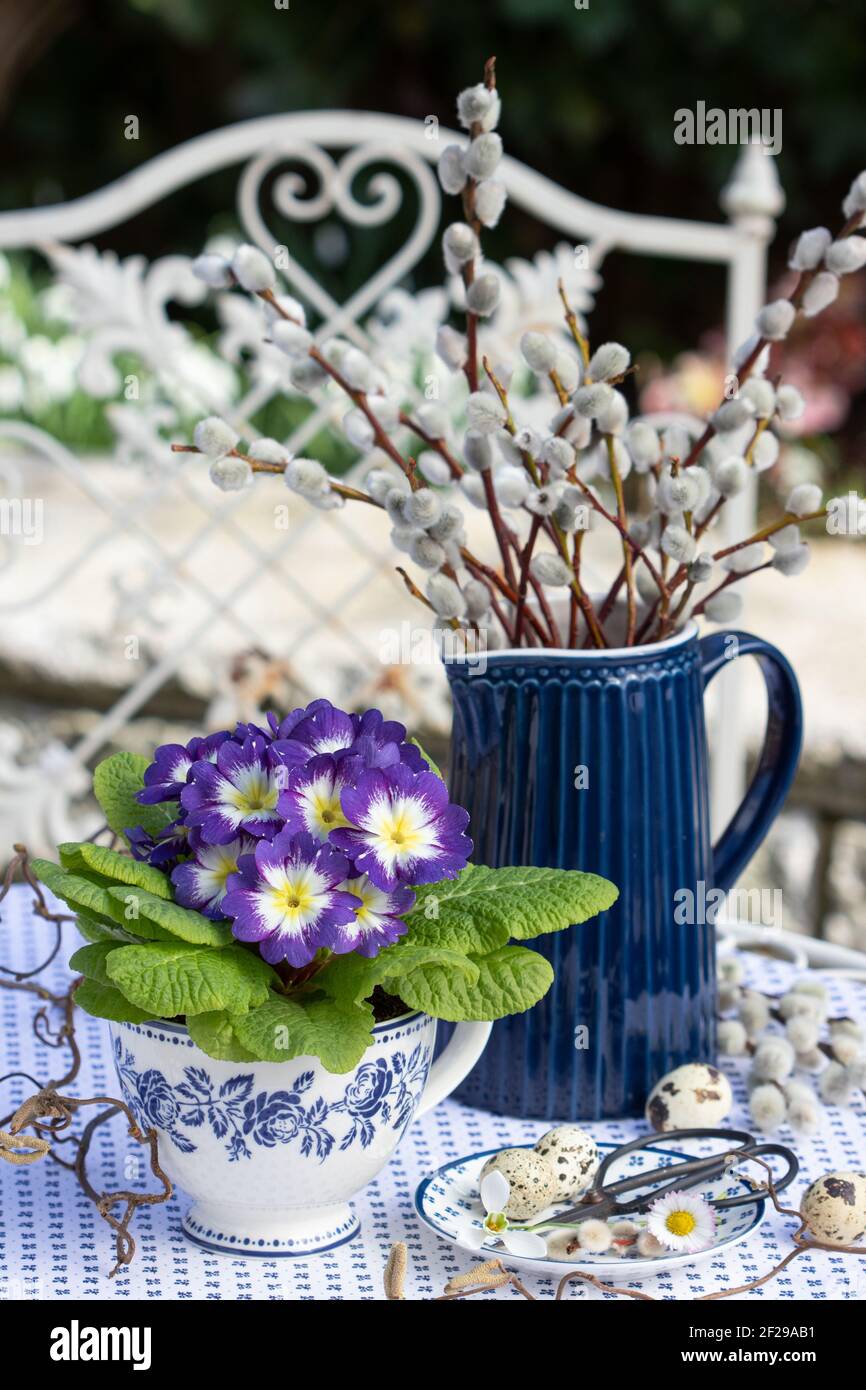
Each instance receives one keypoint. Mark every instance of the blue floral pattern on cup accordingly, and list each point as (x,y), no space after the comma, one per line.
(382,1093)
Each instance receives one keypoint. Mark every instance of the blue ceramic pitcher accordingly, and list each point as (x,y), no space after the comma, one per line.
(597,760)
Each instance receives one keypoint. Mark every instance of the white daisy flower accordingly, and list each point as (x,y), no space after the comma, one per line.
(682,1221)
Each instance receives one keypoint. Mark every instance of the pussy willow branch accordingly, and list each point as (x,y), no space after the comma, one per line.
(48,1111)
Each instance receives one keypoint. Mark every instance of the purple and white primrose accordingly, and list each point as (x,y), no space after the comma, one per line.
(167,775)
(311,799)
(288,898)
(202,882)
(321,729)
(236,794)
(402,828)
(377,915)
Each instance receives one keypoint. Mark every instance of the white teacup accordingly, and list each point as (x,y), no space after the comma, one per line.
(271,1152)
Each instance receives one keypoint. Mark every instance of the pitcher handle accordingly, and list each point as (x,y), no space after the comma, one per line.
(457,1059)
(779,755)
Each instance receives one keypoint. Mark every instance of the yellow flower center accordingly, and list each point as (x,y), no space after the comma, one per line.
(680,1223)
(399,831)
(495,1221)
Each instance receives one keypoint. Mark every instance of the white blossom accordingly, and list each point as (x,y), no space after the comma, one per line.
(291,338)
(512,485)
(723,607)
(609,360)
(459,245)
(396,503)
(213,270)
(483,155)
(745,350)
(307,477)
(477,596)
(701,568)
(542,501)
(477,451)
(589,400)
(269,451)
(490,199)
(358,370)
(846,255)
(767,1107)
(358,430)
(821,292)
(789,403)
(835,1085)
(729,475)
(284,308)
(252,269)
(754,1010)
(306,374)
(384,409)
(765,451)
(785,538)
(567,369)
(845,1048)
(760,395)
(404,537)
(473,104)
(809,250)
(802,1032)
(482,296)
(678,544)
(558,454)
(676,443)
(732,1038)
(745,559)
(432,418)
(231,474)
(451,347)
(485,412)
(733,414)
(380,481)
(528,441)
(423,507)
(678,493)
(773,1059)
(212,436)
(551,570)
(613,417)
(427,553)
(448,527)
(452,175)
(643,444)
(774,321)
(434,467)
(791,561)
(856,199)
(538,352)
(473,489)
(445,596)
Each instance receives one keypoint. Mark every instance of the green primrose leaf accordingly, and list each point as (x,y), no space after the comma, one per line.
(214,1034)
(171,978)
(87,859)
(105,1001)
(509,981)
(115,783)
(90,961)
(350,979)
(171,919)
(83,895)
(307,1026)
(523,901)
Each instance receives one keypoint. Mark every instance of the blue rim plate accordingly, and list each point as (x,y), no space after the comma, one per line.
(445,1199)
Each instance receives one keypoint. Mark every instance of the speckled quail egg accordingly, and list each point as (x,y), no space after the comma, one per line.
(529,1178)
(573,1158)
(834,1208)
(696,1096)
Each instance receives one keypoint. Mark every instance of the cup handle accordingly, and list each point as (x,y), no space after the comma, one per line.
(465,1046)
(779,755)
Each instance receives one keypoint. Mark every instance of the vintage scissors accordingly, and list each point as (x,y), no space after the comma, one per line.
(603,1200)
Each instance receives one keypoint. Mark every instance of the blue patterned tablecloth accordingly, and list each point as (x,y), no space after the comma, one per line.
(53,1245)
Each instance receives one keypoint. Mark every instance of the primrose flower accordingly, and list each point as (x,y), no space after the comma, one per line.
(495,1192)
(311,800)
(377,916)
(167,775)
(161,850)
(403,828)
(201,882)
(682,1221)
(239,792)
(288,898)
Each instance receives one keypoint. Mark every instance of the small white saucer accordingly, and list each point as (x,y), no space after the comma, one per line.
(445,1200)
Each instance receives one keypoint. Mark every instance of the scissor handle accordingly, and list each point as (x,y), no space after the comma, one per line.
(645,1142)
(755,1150)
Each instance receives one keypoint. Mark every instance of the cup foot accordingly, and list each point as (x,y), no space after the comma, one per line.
(274,1235)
